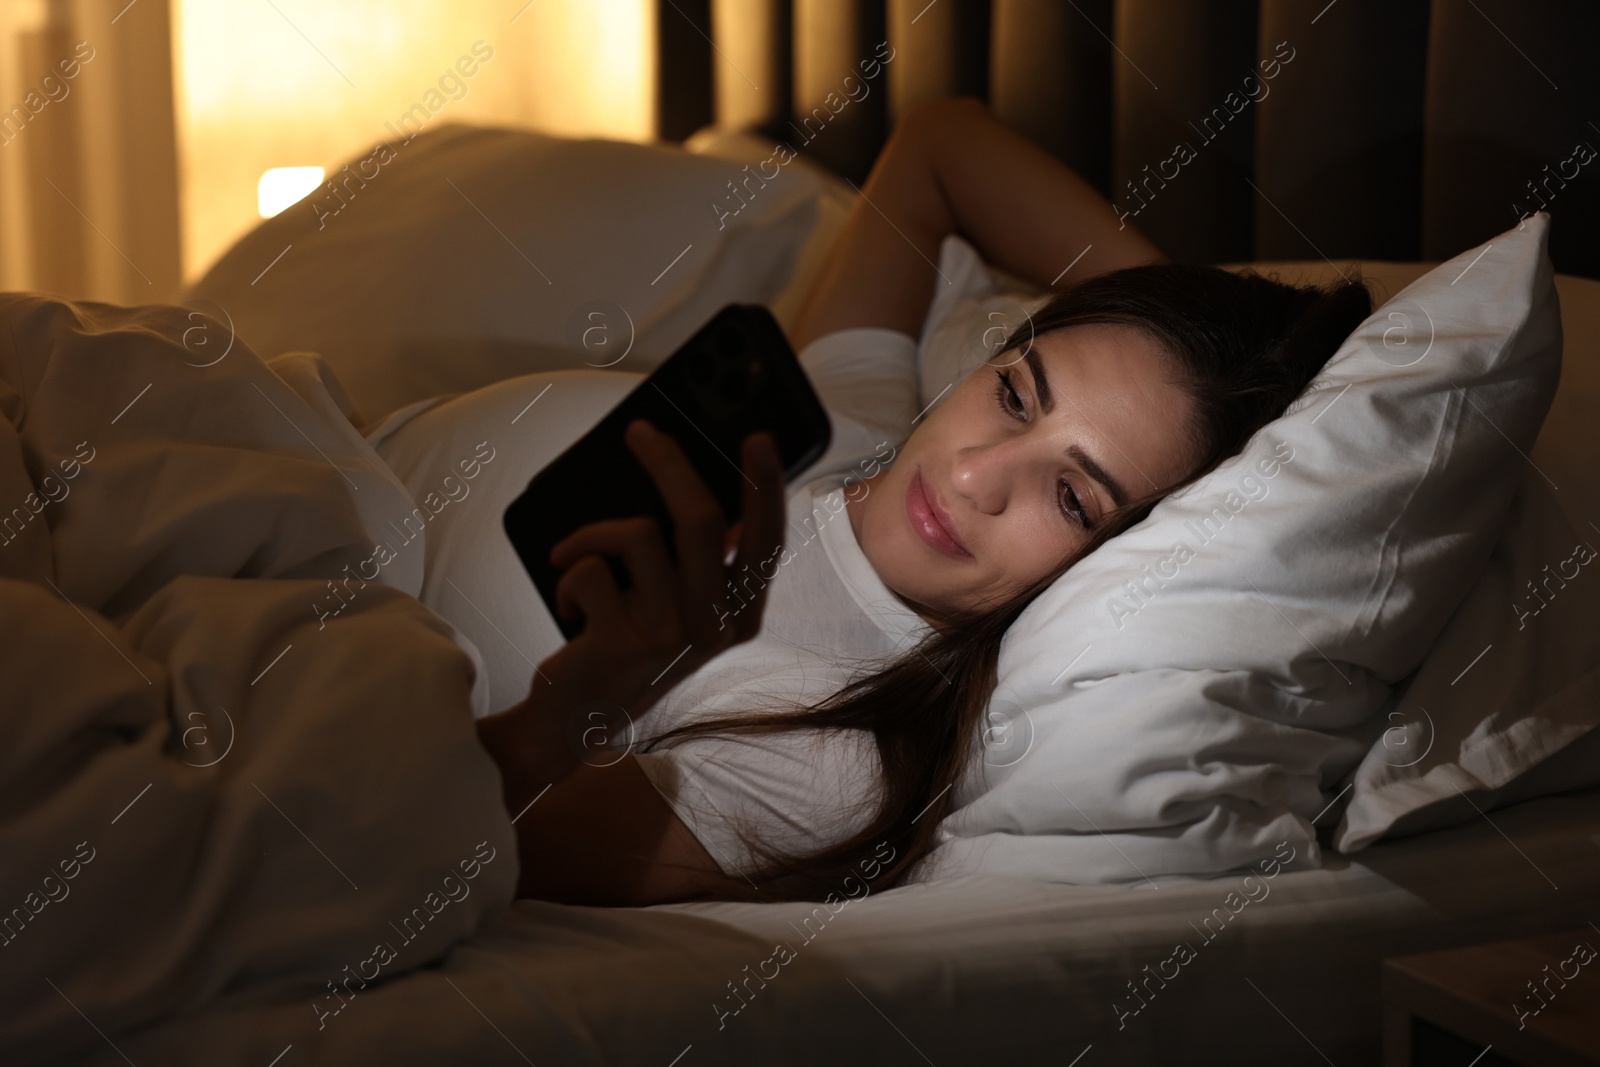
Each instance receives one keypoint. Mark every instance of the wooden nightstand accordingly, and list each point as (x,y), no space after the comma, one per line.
(1534,1001)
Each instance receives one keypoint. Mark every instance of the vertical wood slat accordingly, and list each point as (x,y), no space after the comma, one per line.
(16,231)
(53,166)
(1512,91)
(832,38)
(1338,154)
(1183,154)
(1050,79)
(683,67)
(128,145)
(754,68)
(941,49)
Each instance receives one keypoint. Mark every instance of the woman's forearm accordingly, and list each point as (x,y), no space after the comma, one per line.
(536,743)
(951,167)
(1025,210)
(588,831)
(528,743)
(880,271)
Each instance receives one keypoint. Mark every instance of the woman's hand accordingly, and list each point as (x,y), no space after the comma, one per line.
(636,644)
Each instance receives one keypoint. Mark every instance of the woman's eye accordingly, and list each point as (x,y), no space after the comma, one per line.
(1007,396)
(1071,507)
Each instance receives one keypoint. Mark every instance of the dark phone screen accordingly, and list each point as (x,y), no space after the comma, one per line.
(736,376)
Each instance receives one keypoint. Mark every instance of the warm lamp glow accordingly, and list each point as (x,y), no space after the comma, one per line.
(282,187)
(327,81)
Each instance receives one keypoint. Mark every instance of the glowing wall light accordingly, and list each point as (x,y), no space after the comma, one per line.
(281,187)
(319,81)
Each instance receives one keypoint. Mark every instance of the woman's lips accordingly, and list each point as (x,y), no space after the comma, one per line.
(934,528)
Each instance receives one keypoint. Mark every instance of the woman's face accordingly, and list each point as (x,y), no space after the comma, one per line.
(1022,461)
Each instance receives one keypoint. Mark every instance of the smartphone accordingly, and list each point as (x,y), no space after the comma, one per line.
(736,376)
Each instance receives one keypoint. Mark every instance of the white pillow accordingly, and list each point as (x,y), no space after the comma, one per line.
(1201,723)
(478,254)
(1524,727)
(1506,706)
(464,460)
(974,308)
(1502,709)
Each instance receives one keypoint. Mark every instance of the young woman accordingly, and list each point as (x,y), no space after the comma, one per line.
(875,649)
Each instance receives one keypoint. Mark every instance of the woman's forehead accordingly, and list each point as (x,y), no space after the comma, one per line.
(1116,386)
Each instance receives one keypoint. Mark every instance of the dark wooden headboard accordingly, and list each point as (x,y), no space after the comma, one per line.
(1387,129)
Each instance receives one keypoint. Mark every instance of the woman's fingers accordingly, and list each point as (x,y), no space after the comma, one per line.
(638,541)
(762,522)
(697,520)
(702,540)
(587,589)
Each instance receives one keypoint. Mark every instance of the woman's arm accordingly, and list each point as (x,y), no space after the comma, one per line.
(591,834)
(951,167)
(588,833)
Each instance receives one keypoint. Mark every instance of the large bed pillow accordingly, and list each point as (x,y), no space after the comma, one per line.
(1506,706)
(1189,698)
(1500,710)
(468,255)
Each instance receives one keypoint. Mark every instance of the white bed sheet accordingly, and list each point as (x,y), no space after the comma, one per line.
(977,970)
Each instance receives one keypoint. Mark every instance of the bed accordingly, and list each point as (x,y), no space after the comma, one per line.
(224,962)
(976,970)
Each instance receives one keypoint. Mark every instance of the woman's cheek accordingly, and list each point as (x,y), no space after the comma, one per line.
(1040,549)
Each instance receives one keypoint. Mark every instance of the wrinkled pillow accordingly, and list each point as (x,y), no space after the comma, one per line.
(1506,706)
(1189,697)
(477,254)
(1446,748)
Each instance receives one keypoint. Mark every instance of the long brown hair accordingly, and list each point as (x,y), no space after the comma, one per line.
(1245,347)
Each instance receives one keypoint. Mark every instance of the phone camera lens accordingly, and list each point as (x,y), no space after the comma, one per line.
(734,386)
(702,369)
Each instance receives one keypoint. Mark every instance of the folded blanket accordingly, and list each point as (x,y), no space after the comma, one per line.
(231,755)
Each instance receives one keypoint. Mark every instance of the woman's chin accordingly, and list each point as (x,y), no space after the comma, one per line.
(914,593)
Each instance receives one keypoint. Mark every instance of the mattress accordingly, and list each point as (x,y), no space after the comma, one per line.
(1285,972)
(976,970)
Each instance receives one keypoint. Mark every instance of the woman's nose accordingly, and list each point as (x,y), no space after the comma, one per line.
(985,474)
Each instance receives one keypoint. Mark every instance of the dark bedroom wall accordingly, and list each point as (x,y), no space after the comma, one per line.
(1400,129)
(1049,78)
(1178,62)
(941,50)
(1513,89)
(1339,137)
(831,39)
(684,72)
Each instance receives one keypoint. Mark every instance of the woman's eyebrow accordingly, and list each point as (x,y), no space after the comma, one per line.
(1119,496)
(1041,386)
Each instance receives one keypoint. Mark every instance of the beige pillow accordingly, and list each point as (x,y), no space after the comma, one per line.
(478,254)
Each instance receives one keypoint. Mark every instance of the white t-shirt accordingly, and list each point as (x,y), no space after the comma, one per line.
(828,617)
(827,612)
